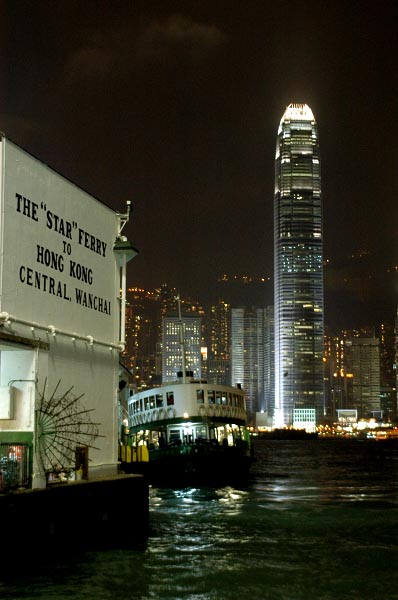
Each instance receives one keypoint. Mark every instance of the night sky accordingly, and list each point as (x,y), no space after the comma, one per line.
(176,105)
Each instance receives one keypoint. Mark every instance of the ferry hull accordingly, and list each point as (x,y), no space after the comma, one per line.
(195,466)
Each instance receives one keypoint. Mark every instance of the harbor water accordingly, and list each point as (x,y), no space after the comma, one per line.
(318,519)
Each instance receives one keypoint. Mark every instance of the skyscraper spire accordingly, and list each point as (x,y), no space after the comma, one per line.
(298,267)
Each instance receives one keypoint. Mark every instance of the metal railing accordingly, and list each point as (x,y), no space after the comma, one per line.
(15,466)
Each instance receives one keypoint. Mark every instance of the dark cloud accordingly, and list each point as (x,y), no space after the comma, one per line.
(116,53)
(92,63)
(176,105)
(179,33)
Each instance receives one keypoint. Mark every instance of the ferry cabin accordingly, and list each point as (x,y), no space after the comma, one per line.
(187,413)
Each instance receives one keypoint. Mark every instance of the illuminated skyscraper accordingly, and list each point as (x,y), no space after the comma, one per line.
(244,359)
(363,361)
(251,349)
(298,270)
(172,350)
(267,402)
(218,324)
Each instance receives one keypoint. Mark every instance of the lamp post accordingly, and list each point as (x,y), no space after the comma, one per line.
(124,251)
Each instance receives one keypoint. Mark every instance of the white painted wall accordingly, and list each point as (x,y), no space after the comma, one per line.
(44,259)
(44,215)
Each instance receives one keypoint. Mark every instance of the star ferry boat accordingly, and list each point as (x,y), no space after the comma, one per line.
(190,430)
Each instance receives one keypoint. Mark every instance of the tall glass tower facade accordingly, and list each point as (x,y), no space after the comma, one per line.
(298,269)
(172,351)
(248,364)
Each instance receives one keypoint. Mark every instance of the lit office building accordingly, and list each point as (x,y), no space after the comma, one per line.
(238,346)
(337,375)
(142,336)
(251,348)
(267,398)
(172,350)
(218,371)
(363,361)
(244,362)
(298,269)
(396,361)
(388,391)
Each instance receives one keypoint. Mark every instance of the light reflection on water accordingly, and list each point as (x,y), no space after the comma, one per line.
(317,520)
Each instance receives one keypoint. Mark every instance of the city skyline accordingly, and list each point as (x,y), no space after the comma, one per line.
(174,107)
(237,346)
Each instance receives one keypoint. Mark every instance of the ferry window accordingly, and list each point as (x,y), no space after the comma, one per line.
(174,436)
(201,432)
(211,396)
(140,404)
(223,399)
(146,403)
(170,398)
(200,396)
(218,397)
(159,400)
(230,399)
(151,401)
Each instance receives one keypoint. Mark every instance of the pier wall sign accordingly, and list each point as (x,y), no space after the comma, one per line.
(57,260)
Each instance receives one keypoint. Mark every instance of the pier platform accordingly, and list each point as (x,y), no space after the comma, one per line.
(83,515)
